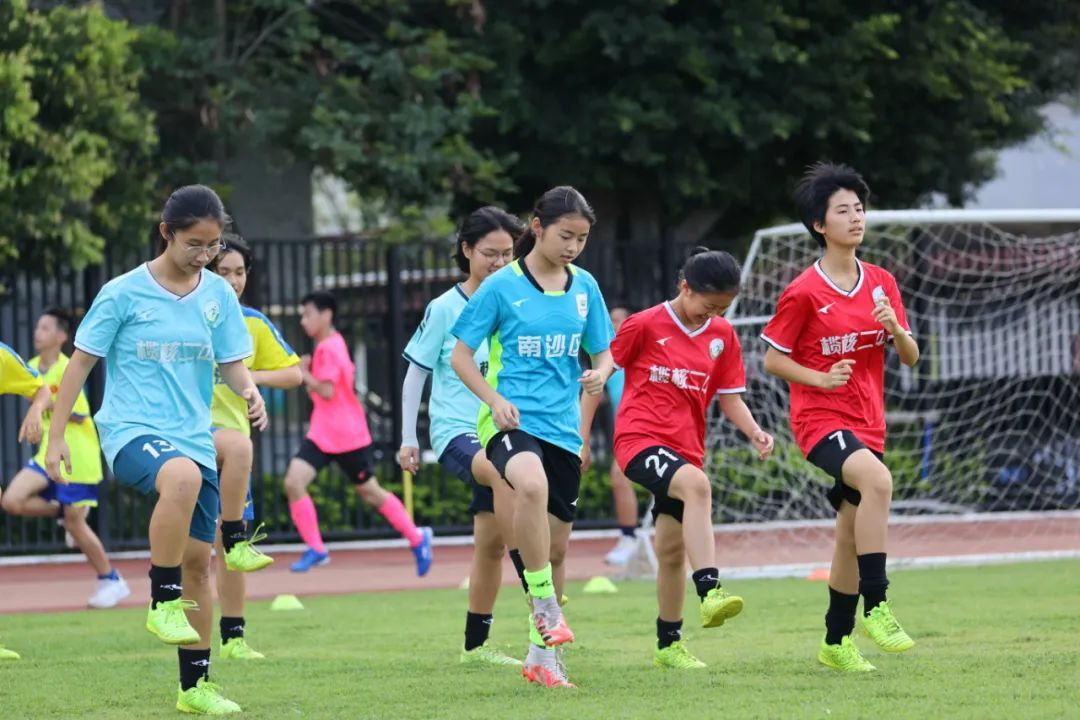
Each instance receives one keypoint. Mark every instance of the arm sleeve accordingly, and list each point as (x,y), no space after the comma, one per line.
(331,363)
(412,390)
(481,316)
(624,348)
(783,330)
(271,350)
(230,336)
(598,329)
(729,375)
(16,377)
(98,329)
(426,344)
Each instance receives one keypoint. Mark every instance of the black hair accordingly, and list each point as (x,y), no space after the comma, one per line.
(479,224)
(711,271)
(63,318)
(556,203)
(322,300)
(821,181)
(188,206)
(234,242)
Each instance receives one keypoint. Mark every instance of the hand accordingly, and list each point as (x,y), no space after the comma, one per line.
(592,381)
(763,443)
(256,408)
(505,414)
(838,375)
(409,457)
(884,314)
(586,455)
(57,453)
(305,362)
(30,430)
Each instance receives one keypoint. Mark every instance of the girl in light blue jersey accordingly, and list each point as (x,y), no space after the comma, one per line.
(536,315)
(485,244)
(162,327)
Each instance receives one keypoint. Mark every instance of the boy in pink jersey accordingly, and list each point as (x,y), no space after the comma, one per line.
(338,433)
(828,339)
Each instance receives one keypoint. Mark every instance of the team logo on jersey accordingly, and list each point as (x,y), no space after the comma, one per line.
(211,312)
(716,347)
(582,305)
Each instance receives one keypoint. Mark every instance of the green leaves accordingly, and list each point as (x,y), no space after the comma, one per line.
(75,140)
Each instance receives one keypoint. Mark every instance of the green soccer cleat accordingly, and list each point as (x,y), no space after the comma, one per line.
(245,557)
(8,654)
(844,657)
(170,624)
(718,606)
(676,656)
(881,627)
(238,649)
(205,699)
(486,655)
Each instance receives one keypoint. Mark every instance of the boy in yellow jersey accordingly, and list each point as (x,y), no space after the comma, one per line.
(32,494)
(18,378)
(273,364)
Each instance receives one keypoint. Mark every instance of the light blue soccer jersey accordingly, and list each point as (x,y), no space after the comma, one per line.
(160,352)
(452,408)
(534,339)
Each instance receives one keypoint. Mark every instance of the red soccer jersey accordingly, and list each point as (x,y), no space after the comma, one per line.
(672,374)
(817,324)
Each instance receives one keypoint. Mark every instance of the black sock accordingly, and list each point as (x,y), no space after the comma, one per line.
(705,580)
(232,532)
(519,565)
(194,665)
(872,580)
(477,627)
(840,619)
(668,632)
(164,584)
(231,627)
(629,530)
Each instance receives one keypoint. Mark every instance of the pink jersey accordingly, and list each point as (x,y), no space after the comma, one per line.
(817,324)
(672,376)
(338,425)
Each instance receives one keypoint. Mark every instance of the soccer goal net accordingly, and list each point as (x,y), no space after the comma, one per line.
(983,433)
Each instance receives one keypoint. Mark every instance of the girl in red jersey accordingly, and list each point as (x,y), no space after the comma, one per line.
(827,339)
(678,356)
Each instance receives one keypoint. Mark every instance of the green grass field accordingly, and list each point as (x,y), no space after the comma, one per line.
(1000,641)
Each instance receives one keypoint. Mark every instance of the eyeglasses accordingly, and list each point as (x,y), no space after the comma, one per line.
(212,251)
(496,255)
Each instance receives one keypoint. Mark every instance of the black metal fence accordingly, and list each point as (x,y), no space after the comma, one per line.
(382,291)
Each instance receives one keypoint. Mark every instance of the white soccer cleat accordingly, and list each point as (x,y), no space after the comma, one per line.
(622,552)
(109,593)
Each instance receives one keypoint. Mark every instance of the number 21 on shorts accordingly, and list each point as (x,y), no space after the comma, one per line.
(656,464)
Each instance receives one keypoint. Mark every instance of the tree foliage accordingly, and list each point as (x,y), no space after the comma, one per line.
(379,93)
(75,139)
(721,103)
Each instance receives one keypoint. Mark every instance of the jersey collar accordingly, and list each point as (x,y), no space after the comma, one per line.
(675,318)
(529,276)
(837,288)
(169,293)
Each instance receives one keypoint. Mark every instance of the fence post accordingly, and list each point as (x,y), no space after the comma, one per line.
(394,332)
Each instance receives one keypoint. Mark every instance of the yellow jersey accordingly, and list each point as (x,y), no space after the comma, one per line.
(270,352)
(16,377)
(80,434)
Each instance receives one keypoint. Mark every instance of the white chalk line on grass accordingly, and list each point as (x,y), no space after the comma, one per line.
(763,527)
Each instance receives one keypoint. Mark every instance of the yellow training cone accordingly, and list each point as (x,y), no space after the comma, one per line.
(600,584)
(286,602)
